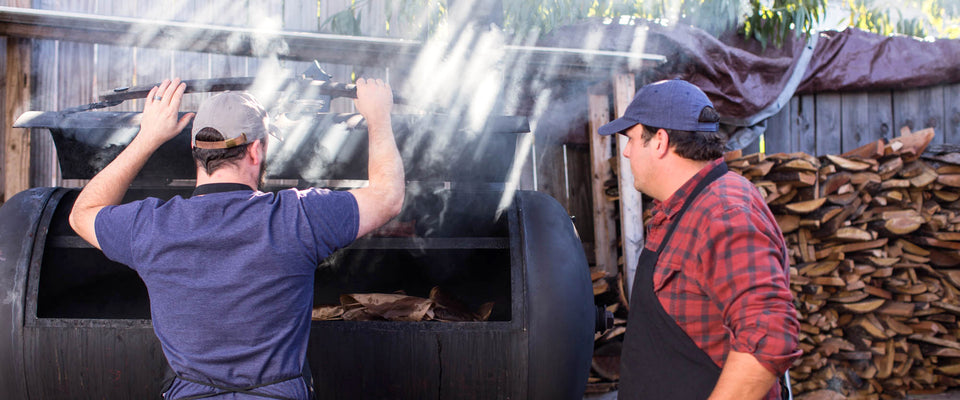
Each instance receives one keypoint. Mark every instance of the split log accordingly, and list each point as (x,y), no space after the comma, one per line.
(937,341)
(890,168)
(869,150)
(853,234)
(951,180)
(796,178)
(834,182)
(849,164)
(799,164)
(910,145)
(864,306)
(804,207)
(818,268)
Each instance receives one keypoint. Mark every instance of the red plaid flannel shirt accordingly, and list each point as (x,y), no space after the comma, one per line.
(724,275)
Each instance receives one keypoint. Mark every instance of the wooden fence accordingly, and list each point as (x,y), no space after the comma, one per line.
(833,123)
(66,74)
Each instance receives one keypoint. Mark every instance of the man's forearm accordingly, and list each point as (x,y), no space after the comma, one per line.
(384,165)
(743,378)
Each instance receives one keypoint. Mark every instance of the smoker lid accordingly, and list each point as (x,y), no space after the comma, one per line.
(318,147)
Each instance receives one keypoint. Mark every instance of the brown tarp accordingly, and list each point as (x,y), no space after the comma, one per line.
(743,79)
(854,60)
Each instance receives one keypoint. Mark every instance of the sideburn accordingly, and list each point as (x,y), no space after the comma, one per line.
(262,180)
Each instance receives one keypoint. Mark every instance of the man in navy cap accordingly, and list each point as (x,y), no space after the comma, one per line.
(711,313)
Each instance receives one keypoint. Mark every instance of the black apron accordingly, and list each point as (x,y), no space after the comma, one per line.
(170,375)
(659,360)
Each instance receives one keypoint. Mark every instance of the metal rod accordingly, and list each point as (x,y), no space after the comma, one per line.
(316,88)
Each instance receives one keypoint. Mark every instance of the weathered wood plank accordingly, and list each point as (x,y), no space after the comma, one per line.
(222,12)
(75,82)
(779,137)
(754,146)
(340,72)
(601,150)
(854,120)
(918,109)
(17,156)
(17,95)
(631,205)
(301,16)
(45,60)
(828,124)
(951,118)
(551,170)
(880,125)
(374,23)
(804,123)
(581,191)
(267,14)
(865,118)
(189,64)
(115,63)
(3,106)
(152,65)
(75,62)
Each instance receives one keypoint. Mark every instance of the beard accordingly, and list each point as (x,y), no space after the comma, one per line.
(262,179)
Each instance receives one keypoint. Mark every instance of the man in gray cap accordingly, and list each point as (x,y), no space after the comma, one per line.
(711,313)
(230,270)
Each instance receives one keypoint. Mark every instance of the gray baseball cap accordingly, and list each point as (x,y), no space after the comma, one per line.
(238,116)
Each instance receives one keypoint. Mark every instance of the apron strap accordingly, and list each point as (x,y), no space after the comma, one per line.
(244,390)
(715,173)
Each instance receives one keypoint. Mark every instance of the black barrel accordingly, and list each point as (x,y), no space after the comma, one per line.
(76,325)
(79,323)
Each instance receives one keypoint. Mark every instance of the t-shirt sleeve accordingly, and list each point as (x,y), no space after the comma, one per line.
(334,217)
(114,230)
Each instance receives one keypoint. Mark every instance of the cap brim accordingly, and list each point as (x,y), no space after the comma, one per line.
(616,126)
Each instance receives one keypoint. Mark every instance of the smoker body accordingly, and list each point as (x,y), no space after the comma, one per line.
(537,344)
(79,324)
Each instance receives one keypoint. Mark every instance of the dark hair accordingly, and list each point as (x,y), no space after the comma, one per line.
(212,159)
(699,146)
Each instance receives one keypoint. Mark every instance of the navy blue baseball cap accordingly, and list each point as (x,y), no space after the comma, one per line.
(672,104)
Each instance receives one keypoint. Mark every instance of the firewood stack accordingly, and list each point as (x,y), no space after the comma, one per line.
(874,247)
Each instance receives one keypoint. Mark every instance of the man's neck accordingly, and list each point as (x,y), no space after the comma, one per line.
(678,172)
(225,175)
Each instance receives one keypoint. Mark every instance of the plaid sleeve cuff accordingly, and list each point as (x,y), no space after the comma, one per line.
(775,349)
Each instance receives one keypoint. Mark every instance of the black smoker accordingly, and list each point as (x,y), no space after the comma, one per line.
(76,325)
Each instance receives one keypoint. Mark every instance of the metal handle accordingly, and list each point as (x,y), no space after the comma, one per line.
(308,87)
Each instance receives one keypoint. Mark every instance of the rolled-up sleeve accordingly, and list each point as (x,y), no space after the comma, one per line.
(749,278)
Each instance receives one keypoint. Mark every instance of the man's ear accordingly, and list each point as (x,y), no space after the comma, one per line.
(663,142)
(256,152)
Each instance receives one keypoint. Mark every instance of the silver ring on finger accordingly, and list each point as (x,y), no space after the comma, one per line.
(157,98)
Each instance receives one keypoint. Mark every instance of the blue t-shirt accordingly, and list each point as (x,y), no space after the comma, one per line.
(230,277)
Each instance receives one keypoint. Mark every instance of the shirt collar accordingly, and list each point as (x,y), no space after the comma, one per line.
(672,204)
(218,188)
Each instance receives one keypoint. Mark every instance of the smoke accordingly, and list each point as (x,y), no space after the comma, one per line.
(466,74)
